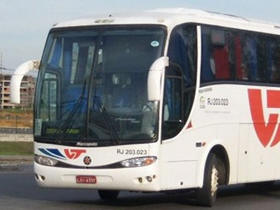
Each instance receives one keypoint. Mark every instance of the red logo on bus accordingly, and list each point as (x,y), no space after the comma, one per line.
(265,129)
(74,153)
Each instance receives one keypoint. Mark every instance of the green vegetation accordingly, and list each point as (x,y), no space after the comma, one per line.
(16,148)
(18,110)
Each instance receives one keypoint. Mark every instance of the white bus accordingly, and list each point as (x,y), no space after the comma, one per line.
(170,99)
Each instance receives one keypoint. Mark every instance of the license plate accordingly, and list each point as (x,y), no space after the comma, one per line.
(86,179)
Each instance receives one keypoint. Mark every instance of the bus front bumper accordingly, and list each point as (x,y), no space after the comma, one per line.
(132,179)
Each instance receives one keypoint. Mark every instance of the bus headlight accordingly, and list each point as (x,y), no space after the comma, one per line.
(46,161)
(138,162)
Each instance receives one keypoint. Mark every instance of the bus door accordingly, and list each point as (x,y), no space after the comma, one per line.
(179,91)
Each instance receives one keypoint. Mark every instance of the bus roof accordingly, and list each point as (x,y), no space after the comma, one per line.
(171,17)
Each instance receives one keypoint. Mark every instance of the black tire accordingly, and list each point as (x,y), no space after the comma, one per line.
(206,196)
(108,195)
(221,172)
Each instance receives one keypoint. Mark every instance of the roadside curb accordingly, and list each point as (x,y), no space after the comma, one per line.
(9,167)
(13,162)
(16,158)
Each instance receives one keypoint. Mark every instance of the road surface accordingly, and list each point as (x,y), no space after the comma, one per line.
(18,191)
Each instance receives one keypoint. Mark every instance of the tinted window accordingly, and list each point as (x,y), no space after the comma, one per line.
(182,51)
(235,55)
(92,85)
(180,79)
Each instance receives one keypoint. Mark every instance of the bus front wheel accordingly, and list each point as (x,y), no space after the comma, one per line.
(206,196)
(108,195)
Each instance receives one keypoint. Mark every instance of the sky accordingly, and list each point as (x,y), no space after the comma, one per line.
(24,24)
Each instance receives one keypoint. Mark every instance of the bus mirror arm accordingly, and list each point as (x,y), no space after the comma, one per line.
(17,76)
(155,78)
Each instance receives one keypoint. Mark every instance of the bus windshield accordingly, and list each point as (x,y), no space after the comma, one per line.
(92,86)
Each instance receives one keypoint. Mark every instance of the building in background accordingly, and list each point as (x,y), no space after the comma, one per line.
(26,92)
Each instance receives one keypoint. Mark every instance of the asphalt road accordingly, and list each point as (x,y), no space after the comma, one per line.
(18,191)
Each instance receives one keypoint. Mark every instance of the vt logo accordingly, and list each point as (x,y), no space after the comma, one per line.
(265,129)
(70,153)
(74,153)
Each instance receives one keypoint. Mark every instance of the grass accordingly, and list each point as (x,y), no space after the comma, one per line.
(16,148)
(16,118)
(18,110)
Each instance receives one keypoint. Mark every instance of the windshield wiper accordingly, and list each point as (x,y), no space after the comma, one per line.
(108,120)
(70,119)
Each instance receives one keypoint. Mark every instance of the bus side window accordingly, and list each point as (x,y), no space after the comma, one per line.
(172,100)
(208,65)
(269,55)
(258,59)
(220,54)
(178,53)
(216,52)
(180,80)
(253,60)
(172,103)
(241,74)
(262,59)
(276,64)
(250,57)
(182,51)
(229,54)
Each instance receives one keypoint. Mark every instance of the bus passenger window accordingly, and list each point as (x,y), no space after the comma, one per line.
(262,59)
(208,64)
(276,64)
(250,58)
(220,55)
(241,73)
(216,54)
(269,56)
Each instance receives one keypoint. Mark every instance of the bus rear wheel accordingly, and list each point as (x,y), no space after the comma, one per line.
(206,196)
(108,195)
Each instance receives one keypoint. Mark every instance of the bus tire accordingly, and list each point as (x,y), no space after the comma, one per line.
(206,196)
(221,172)
(108,195)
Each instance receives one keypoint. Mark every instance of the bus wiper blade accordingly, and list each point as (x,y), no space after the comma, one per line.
(70,119)
(107,119)
(110,123)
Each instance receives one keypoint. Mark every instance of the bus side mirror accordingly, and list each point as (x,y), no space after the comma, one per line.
(155,78)
(17,76)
